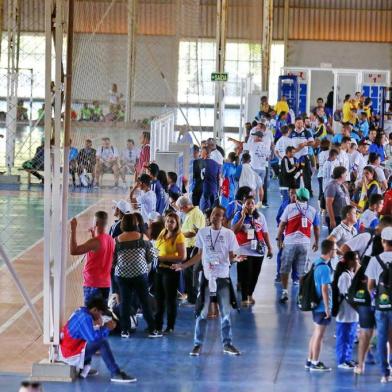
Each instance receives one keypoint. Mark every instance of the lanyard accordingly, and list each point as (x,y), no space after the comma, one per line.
(216,239)
(302,212)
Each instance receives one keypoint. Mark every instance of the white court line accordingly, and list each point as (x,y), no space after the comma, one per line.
(71,268)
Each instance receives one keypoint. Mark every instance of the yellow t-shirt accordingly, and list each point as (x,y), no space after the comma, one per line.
(281,106)
(168,247)
(346,112)
(193,218)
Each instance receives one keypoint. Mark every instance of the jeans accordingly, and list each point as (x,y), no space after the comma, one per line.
(223,295)
(266,184)
(285,196)
(345,339)
(166,285)
(189,277)
(103,347)
(140,285)
(384,326)
(248,274)
(90,292)
(207,201)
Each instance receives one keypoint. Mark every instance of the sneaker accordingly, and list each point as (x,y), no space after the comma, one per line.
(320,367)
(87,371)
(122,377)
(134,323)
(284,297)
(265,205)
(168,331)
(308,364)
(196,350)
(385,379)
(155,334)
(346,366)
(125,334)
(231,350)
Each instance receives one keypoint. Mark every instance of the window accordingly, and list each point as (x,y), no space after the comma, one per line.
(276,63)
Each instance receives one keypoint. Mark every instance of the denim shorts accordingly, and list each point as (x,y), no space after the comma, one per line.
(367,318)
(319,318)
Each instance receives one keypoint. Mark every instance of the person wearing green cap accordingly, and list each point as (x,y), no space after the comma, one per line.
(296,223)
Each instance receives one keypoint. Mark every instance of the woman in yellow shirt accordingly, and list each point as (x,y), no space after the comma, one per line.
(346,109)
(171,248)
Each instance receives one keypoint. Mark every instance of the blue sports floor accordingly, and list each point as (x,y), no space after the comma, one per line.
(273,339)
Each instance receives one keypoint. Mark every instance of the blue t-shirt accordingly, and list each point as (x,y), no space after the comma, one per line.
(232,208)
(338,138)
(73,153)
(173,188)
(210,176)
(378,150)
(322,275)
(364,127)
(156,186)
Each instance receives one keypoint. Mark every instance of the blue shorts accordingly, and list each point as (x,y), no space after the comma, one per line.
(367,319)
(319,318)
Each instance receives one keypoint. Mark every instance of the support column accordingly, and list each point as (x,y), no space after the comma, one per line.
(12,81)
(131,59)
(267,40)
(286,16)
(219,106)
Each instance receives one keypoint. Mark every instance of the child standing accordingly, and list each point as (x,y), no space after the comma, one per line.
(347,317)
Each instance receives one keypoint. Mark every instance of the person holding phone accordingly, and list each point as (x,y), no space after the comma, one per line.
(250,228)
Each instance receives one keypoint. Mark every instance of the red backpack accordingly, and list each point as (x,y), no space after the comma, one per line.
(387,208)
(225,188)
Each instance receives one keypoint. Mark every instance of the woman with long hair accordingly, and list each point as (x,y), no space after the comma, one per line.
(370,186)
(171,248)
(250,228)
(132,256)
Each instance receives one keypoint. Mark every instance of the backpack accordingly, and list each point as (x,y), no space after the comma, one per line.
(384,288)
(225,188)
(337,297)
(358,294)
(308,299)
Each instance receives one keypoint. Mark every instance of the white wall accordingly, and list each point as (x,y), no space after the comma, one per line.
(340,54)
(102,60)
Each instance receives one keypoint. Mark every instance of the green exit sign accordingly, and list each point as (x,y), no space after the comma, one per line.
(219,77)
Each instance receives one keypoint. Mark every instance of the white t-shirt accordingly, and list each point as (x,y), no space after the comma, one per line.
(344,160)
(114,98)
(268,138)
(360,243)
(249,177)
(374,269)
(217,157)
(147,202)
(259,154)
(130,156)
(322,158)
(282,144)
(368,218)
(380,173)
(347,313)
(107,154)
(342,233)
(216,246)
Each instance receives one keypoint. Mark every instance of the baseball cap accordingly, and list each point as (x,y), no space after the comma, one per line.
(303,194)
(123,206)
(258,133)
(386,234)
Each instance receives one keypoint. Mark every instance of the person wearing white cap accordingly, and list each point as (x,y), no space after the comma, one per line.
(121,208)
(380,268)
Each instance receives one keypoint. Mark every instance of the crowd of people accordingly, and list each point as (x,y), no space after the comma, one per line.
(172,237)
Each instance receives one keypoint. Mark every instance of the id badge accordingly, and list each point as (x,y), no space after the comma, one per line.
(251,234)
(253,245)
(304,223)
(213,258)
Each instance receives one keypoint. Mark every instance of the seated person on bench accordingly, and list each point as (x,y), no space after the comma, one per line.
(87,159)
(107,161)
(37,162)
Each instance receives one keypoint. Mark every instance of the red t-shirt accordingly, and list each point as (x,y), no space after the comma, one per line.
(97,269)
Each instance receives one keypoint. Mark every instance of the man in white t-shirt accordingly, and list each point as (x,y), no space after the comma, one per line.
(259,154)
(283,142)
(216,247)
(383,317)
(146,199)
(358,159)
(128,159)
(107,161)
(214,153)
(375,163)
